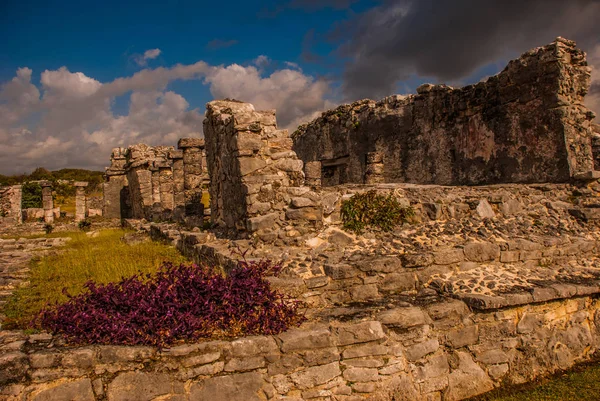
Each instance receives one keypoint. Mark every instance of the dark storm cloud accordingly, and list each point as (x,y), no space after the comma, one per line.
(449,40)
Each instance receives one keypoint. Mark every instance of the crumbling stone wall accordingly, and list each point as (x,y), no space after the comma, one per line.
(435,351)
(256,180)
(156,183)
(10,205)
(526,124)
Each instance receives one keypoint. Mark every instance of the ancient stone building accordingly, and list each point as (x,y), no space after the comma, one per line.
(156,183)
(10,205)
(526,124)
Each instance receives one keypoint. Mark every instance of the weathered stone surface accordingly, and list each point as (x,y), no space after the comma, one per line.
(138,386)
(238,387)
(316,375)
(298,339)
(468,380)
(64,390)
(404,317)
(482,252)
(359,333)
(447,140)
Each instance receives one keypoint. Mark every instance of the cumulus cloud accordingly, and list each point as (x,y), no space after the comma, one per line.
(399,39)
(150,54)
(68,122)
(296,96)
(592,100)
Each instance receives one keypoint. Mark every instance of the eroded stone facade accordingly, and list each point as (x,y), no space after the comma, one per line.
(526,124)
(256,179)
(10,205)
(156,183)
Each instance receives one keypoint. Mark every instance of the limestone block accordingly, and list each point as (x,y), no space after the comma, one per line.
(64,390)
(237,387)
(139,386)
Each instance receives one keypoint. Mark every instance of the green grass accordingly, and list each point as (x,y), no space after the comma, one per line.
(102,259)
(580,384)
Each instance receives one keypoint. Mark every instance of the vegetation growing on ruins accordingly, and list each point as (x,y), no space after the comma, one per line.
(31,195)
(94,178)
(373,210)
(103,259)
(179,302)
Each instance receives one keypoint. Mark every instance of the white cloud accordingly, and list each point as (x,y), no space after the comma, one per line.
(150,54)
(261,61)
(68,121)
(592,100)
(295,96)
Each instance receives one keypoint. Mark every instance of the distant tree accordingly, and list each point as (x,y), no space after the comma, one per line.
(32,195)
(41,173)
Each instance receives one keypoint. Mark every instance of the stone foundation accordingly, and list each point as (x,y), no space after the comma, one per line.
(434,351)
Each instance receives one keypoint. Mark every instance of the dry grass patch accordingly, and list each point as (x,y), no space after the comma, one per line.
(103,259)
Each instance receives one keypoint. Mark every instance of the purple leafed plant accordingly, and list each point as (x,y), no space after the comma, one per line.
(185,302)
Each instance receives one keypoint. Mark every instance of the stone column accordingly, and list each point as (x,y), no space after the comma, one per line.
(374,168)
(312,173)
(47,201)
(192,174)
(16,201)
(115,187)
(167,198)
(178,184)
(80,201)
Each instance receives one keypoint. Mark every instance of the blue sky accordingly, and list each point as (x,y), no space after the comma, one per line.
(78,78)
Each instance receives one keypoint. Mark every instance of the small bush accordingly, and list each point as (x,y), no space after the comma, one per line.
(371,209)
(84,225)
(184,302)
(48,228)
(31,195)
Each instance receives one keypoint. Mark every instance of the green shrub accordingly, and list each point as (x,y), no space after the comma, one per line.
(48,228)
(31,195)
(84,225)
(373,210)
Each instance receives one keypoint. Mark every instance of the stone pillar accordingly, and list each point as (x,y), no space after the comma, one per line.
(167,198)
(178,184)
(374,168)
(192,174)
(312,172)
(80,201)
(115,188)
(47,201)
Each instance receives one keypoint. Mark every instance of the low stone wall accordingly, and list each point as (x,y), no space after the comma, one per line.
(438,351)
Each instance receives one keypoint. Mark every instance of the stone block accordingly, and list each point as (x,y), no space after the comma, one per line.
(420,350)
(301,339)
(140,386)
(237,387)
(65,390)
(404,318)
(359,333)
(468,380)
(316,375)
(481,252)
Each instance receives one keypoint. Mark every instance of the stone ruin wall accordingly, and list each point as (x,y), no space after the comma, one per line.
(156,183)
(257,182)
(10,205)
(527,124)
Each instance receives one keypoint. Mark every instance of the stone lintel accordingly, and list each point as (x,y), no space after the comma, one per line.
(184,143)
(80,184)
